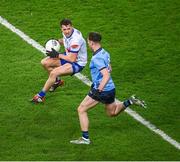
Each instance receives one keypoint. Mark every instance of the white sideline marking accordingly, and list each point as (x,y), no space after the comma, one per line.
(85,80)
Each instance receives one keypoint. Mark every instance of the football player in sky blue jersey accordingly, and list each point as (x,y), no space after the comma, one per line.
(102,89)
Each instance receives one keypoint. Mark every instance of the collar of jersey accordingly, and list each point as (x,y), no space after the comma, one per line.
(98,50)
(71,33)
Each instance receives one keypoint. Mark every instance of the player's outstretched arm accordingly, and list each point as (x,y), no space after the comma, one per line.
(71,57)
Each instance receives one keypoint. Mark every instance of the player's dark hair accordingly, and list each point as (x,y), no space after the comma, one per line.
(94,36)
(65,22)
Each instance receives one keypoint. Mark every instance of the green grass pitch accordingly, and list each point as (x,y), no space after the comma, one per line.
(142,37)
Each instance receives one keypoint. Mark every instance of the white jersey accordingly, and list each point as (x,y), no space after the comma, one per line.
(76,44)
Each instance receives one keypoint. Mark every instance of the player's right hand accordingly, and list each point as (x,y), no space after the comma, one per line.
(96,92)
(53,53)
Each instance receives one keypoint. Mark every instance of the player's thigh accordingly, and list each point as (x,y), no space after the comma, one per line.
(63,70)
(87,103)
(110,108)
(53,62)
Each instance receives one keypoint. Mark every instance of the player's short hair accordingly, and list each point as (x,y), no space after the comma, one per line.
(65,22)
(95,37)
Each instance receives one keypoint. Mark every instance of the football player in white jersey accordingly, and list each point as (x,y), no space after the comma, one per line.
(72,61)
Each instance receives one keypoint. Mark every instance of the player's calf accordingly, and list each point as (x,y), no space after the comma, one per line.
(57,84)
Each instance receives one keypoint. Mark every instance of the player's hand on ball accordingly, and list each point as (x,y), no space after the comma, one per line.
(53,53)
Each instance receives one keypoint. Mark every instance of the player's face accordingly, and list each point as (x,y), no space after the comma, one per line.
(90,43)
(67,30)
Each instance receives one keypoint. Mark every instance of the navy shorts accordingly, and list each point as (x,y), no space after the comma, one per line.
(76,67)
(105,97)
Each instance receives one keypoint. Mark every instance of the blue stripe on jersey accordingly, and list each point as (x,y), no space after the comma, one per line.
(102,68)
(73,51)
(97,51)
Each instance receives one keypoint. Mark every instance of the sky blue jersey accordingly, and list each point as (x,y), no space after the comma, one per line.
(99,61)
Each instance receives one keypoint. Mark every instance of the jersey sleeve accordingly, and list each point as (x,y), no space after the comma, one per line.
(99,63)
(75,46)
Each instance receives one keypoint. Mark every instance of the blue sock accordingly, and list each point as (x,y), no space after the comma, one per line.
(127,103)
(85,134)
(42,93)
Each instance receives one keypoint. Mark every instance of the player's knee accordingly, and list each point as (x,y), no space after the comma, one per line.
(81,109)
(44,63)
(53,74)
(111,113)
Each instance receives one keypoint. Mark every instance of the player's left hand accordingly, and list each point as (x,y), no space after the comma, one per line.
(53,53)
(96,92)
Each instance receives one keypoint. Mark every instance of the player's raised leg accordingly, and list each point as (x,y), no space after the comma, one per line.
(117,107)
(63,70)
(66,69)
(114,108)
(49,64)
